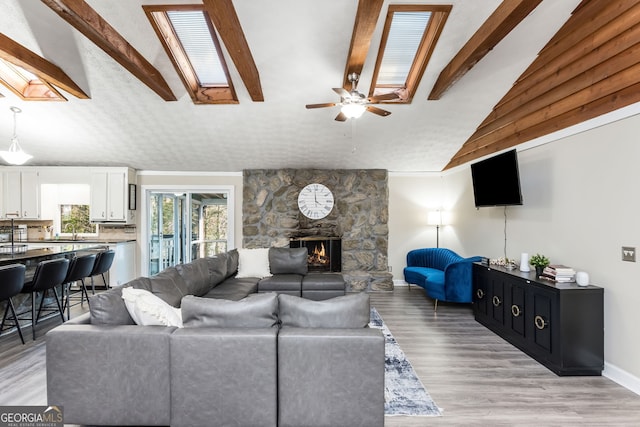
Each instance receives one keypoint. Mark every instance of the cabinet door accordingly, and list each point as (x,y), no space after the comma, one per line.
(481,284)
(517,309)
(30,191)
(116,196)
(497,294)
(542,321)
(98,207)
(12,190)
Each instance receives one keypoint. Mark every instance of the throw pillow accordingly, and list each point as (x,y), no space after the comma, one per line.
(254,311)
(253,263)
(288,260)
(147,309)
(348,311)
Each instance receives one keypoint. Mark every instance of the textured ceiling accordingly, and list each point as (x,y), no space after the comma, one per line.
(300,48)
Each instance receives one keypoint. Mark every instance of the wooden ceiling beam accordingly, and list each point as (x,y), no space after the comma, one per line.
(24,58)
(363,28)
(86,20)
(588,18)
(580,113)
(226,21)
(601,65)
(504,19)
(583,41)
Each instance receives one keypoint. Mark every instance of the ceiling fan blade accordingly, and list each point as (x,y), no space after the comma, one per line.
(384,97)
(378,111)
(326,104)
(342,92)
(341,117)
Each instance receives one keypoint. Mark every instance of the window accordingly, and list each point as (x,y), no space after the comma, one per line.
(189,38)
(74,220)
(27,85)
(408,40)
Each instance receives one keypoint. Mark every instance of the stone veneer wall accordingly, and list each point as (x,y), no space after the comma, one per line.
(270,217)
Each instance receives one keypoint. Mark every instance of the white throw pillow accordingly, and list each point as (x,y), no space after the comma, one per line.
(253,263)
(147,309)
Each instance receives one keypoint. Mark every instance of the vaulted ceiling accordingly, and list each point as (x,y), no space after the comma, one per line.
(502,73)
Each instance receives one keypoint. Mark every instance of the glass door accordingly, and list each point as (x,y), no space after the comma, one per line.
(166,231)
(185,226)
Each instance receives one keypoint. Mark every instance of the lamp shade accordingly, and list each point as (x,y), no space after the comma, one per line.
(434,218)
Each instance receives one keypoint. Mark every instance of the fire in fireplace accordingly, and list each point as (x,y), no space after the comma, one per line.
(325,253)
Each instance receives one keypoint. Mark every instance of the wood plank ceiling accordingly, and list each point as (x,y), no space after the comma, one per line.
(589,68)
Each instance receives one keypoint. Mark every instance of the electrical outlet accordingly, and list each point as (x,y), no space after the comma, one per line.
(629,253)
(389,268)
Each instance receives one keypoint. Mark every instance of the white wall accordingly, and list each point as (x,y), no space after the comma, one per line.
(581,205)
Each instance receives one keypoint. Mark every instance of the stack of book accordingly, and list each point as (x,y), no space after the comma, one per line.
(559,273)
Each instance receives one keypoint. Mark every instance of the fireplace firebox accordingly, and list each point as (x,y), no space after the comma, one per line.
(324,253)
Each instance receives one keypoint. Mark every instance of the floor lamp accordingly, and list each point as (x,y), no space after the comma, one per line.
(437,218)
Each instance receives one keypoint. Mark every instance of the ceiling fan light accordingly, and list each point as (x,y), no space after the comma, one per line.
(15,155)
(353,111)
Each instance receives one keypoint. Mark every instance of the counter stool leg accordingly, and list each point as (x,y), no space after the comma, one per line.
(11,307)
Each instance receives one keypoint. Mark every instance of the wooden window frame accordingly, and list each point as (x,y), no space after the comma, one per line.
(439,15)
(157,15)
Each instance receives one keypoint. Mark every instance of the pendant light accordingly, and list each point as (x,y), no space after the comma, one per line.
(15,155)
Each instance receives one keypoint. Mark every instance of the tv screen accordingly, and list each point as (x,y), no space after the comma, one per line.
(496,181)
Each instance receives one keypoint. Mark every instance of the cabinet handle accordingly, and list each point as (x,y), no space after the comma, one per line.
(480,293)
(515,310)
(496,301)
(540,322)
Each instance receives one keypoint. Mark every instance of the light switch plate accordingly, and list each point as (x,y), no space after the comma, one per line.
(629,253)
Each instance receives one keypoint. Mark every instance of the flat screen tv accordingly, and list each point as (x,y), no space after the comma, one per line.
(496,181)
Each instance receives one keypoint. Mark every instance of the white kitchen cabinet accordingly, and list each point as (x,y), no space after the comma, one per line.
(21,194)
(110,195)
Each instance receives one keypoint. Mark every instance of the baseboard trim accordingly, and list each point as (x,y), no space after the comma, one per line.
(399,282)
(622,377)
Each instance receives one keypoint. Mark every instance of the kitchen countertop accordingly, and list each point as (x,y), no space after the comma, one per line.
(80,241)
(7,258)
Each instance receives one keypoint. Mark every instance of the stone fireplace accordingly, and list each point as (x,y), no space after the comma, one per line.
(324,253)
(359,218)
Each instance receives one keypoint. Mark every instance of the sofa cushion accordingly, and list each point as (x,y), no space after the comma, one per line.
(348,311)
(254,311)
(288,260)
(196,276)
(169,286)
(234,289)
(253,263)
(232,262)
(108,307)
(147,309)
(217,268)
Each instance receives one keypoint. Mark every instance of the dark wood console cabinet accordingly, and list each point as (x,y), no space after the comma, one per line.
(561,325)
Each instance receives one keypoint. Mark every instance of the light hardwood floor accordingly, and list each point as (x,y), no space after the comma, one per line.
(477,378)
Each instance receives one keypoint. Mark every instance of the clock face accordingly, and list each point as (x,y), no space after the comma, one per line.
(315,201)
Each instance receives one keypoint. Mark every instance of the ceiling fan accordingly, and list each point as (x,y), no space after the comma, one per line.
(354,103)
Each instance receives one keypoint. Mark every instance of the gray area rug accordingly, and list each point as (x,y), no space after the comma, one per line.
(404,393)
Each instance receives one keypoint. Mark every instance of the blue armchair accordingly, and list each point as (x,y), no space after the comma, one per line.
(442,273)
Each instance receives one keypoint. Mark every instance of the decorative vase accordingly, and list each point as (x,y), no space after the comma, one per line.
(582,278)
(539,270)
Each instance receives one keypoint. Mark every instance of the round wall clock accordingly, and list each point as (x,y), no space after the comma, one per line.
(315,201)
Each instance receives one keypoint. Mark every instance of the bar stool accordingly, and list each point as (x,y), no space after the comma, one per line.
(48,275)
(11,283)
(79,269)
(102,265)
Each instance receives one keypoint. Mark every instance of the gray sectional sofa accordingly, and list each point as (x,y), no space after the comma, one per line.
(242,358)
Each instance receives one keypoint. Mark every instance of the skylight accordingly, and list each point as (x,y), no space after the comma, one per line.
(27,85)
(189,38)
(194,35)
(409,37)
